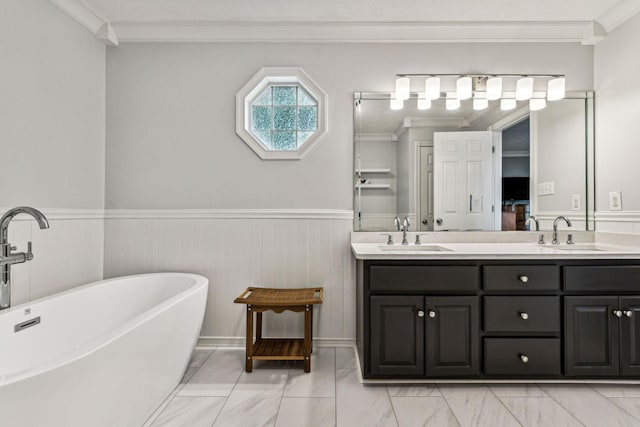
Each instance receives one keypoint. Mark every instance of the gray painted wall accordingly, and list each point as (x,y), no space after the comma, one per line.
(171,139)
(52,108)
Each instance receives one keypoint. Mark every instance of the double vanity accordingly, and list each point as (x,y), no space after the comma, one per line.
(498,311)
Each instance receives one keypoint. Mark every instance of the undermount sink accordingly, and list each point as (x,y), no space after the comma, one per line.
(413,248)
(578,247)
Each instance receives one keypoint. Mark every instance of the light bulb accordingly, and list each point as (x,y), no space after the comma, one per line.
(423,103)
(452,102)
(494,88)
(524,88)
(464,88)
(507,104)
(536,104)
(396,104)
(432,88)
(555,89)
(480,103)
(403,88)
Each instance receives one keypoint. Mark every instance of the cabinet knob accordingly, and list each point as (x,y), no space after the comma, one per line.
(425,222)
(524,316)
(432,313)
(628,313)
(524,358)
(420,313)
(523,278)
(617,313)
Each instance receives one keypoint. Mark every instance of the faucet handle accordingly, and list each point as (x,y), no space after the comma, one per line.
(541,239)
(29,255)
(389,239)
(418,242)
(570,240)
(13,248)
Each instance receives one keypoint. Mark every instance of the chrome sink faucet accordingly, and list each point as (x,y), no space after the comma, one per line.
(533,219)
(405,227)
(7,257)
(554,241)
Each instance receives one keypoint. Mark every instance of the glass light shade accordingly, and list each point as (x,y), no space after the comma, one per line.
(507,104)
(423,103)
(494,88)
(555,89)
(396,104)
(524,88)
(480,103)
(403,88)
(536,104)
(464,88)
(452,102)
(432,88)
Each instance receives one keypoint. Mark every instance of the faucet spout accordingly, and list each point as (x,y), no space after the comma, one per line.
(555,227)
(533,219)
(11,213)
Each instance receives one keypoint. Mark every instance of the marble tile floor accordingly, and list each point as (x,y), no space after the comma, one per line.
(215,391)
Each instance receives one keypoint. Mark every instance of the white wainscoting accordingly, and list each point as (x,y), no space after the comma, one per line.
(618,221)
(67,254)
(237,249)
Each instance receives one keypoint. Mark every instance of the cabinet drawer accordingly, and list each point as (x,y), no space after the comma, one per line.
(522,356)
(423,278)
(525,278)
(601,279)
(522,314)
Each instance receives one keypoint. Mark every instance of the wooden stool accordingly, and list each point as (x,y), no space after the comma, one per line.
(259,300)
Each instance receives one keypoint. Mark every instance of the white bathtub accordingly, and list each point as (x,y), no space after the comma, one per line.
(104,354)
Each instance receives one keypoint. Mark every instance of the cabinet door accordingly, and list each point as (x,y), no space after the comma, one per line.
(591,336)
(630,336)
(453,336)
(397,335)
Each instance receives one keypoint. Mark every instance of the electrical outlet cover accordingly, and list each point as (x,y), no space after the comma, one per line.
(575,202)
(615,201)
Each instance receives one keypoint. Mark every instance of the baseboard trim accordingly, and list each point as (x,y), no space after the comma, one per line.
(240,342)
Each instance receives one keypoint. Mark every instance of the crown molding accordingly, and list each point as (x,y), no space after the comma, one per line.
(352,32)
(89,18)
(618,14)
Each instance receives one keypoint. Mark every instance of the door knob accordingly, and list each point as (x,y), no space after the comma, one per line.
(524,316)
(432,313)
(425,222)
(420,313)
(524,358)
(617,313)
(523,279)
(628,313)
(439,221)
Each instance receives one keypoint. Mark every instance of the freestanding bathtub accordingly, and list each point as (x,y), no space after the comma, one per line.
(103,354)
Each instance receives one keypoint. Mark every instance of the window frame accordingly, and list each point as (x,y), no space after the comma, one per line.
(264,78)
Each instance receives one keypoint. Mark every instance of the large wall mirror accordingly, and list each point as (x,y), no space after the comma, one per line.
(468,170)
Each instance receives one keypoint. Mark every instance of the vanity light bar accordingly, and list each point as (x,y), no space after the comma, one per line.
(466,88)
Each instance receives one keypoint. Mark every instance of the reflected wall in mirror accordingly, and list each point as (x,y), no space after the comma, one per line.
(472,170)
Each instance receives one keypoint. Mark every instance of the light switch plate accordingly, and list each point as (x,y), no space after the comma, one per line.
(615,201)
(546,188)
(575,202)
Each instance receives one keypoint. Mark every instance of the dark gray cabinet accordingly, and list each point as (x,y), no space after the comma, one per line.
(602,336)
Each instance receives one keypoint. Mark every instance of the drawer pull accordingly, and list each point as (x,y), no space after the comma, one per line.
(524,358)
(523,279)
(432,313)
(524,316)
(420,313)
(628,313)
(617,313)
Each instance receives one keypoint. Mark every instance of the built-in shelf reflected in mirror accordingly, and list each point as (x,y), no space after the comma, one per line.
(472,170)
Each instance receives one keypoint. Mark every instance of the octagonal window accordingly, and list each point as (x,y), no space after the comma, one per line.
(281,113)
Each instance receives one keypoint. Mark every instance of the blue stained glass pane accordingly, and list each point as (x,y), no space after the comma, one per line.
(303,136)
(264,137)
(264,98)
(307,118)
(304,98)
(284,95)
(284,141)
(260,118)
(284,118)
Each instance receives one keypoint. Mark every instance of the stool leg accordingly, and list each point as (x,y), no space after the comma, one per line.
(258,325)
(311,321)
(307,338)
(249,365)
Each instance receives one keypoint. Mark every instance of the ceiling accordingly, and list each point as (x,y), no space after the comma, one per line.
(350,21)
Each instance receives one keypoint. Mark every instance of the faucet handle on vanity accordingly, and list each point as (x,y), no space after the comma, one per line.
(389,238)
(418,242)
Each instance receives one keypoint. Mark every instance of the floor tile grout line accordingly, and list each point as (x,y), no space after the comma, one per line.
(613,401)
(503,404)
(284,387)
(335,386)
(449,405)
(226,398)
(393,409)
(563,407)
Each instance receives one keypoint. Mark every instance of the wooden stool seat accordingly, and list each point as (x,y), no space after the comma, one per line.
(259,300)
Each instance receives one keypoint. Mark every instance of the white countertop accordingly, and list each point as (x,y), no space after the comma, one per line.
(494,251)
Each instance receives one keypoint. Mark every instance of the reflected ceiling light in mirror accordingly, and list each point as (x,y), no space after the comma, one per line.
(452,102)
(403,88)
(494,88)
(464,88)
(396,104)
(432,88)
(524,88)
(507,104)
(555,89)
(536,104)
(480,103)
(423,102)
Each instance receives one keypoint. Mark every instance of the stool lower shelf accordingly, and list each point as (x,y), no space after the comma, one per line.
(278,349)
